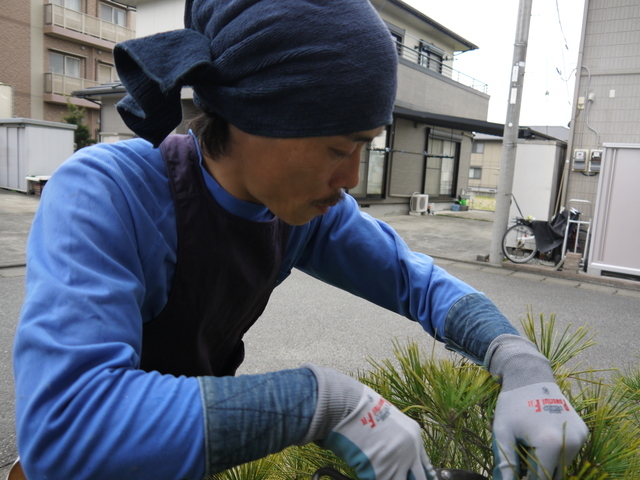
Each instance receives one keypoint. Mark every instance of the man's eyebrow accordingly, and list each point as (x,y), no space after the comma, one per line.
(358,137)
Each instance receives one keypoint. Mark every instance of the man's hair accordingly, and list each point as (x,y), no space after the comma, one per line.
(212,132)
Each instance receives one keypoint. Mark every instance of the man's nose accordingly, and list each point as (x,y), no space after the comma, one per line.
(348,173)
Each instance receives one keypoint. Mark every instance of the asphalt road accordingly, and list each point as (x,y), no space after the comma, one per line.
(310,321)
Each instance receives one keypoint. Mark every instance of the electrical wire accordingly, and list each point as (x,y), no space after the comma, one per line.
(588,105)
(561,29)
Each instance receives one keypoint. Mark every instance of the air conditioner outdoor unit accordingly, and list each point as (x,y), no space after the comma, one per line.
(418,203)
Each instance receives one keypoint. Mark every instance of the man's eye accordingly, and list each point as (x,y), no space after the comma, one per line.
(340,153)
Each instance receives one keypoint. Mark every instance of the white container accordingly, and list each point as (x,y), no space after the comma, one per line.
(32,148)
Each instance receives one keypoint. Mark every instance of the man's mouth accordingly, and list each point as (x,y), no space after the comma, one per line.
(330,201)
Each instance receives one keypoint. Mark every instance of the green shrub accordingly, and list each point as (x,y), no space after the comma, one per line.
(81,135)
(453,400)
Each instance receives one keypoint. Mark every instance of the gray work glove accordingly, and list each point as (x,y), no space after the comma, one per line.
(531,412)
(366,431)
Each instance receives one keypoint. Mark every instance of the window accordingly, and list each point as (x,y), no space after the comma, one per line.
(430,56)
(64,65)
(442,163)
(71,4)
(475,173)
(107,73)
(397,34)
(477,147)
(397,38)
(112,14)
(372,168)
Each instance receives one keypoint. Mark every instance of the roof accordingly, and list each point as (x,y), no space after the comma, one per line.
(95,93)
(448,121)
(547,133)
(483,130)
(559,132)
(463,44)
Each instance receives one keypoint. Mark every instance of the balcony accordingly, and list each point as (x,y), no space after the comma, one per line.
(57,84)
(437,65)
(58,88)
(77,26)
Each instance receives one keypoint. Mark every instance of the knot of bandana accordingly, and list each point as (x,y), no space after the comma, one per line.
(275,68)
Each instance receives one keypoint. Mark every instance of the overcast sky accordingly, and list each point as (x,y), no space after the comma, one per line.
(491,25)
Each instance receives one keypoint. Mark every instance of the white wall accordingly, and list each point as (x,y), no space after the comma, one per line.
(535,176)
(155,16)
(616,228)
(32,147)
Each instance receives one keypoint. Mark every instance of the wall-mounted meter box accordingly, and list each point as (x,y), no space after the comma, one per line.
(580,160)
(595,160)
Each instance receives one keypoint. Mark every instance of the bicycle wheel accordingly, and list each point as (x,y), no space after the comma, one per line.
(519,244)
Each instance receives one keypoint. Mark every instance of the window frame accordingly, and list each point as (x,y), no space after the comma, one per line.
(398,35)
(477,147)
(435,158)
(65,57)
(430,56)
(113,8)
(362,190)
(475,169)
(113,73)
(63,3)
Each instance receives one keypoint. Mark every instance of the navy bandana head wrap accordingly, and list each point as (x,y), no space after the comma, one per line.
(275,68)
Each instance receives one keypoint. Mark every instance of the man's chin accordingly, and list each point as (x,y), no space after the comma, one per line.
(304,218)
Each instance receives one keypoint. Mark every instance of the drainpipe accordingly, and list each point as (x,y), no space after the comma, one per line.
(574,111)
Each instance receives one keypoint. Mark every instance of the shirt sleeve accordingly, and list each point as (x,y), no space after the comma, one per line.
(83,409)
(355,252)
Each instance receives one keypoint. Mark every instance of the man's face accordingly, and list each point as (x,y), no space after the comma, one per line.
(296,178)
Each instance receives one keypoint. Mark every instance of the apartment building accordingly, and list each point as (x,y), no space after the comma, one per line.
(603,164)
(52,48)
(607,90)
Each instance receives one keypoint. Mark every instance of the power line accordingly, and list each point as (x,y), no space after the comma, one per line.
(561,29)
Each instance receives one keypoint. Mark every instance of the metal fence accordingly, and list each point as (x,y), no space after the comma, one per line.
(83,23)
(436,64)
(64,85)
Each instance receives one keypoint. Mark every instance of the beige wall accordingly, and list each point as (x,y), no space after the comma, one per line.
(407,169)
(407,162)
(24,58)
(419,88)
(610,73)
(15,25)
(489,161)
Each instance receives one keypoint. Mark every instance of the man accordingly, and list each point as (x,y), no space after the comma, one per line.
(147,265)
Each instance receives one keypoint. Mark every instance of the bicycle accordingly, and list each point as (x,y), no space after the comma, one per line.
(519,241)
(550,241)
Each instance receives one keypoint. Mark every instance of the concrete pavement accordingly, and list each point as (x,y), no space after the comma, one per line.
(320,317)
(454,236)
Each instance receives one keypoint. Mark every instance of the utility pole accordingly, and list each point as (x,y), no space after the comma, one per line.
(510,136)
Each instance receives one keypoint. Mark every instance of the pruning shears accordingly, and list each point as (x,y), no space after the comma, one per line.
(443,474)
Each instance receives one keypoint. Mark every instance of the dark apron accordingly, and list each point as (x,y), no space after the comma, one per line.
(226,270)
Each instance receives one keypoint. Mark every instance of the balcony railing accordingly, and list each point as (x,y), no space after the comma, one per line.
(86,24)
(57,84)
(434,64)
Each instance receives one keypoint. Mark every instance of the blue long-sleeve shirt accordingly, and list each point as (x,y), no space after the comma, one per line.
(100,262)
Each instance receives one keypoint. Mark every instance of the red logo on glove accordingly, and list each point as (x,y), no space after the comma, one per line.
(380,411)
(550,405)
